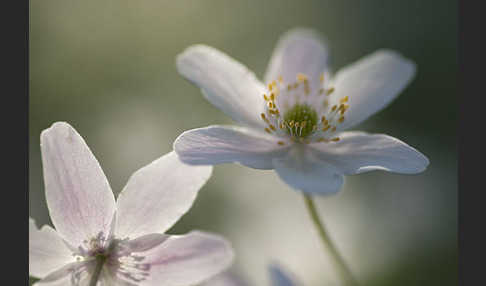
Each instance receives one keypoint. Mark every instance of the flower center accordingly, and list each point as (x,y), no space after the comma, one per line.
(299,121)
(310,113)
(115,254)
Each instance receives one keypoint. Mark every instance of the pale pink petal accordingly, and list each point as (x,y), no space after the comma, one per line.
(359,152)
(187,259)
(226,83)
(141,244)
(303,172)
(47,251)
(298,51)
(75,273)
(157,195)
(371,84)
(80,200)
(228,144)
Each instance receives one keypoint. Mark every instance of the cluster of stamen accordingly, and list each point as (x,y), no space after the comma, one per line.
(304,115)
(117,257)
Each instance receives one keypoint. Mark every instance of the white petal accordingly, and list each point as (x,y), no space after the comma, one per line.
(80,200)
(279,277)
(47,250)
(228,144)
(371,84)
(298,51)
(187,259)
(226,83)
(303,172)
(142,243)
(157,195)
(359,152)
(75,273)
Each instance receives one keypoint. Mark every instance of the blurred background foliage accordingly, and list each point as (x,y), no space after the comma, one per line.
(108,68)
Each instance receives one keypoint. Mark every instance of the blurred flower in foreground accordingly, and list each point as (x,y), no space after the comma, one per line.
(295,124)
(278,277)
(102,242)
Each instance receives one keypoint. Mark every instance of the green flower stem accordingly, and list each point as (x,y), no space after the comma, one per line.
(338,260)
(100,260)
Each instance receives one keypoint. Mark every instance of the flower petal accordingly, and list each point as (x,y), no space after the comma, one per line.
(157,195)
(371,84)
(298,51)
(187,259)
(225,83)
(359,152)
(228,144)
(279,277)
(80,200)
(300,170)
(142,243)
(75,273)
(47,250)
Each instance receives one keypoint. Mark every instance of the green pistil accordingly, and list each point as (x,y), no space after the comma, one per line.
(100,260)
(299,114)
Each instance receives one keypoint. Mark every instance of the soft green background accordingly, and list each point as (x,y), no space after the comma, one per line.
(108,68)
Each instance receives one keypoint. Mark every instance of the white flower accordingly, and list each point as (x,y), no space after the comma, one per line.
(126,237)
(295,123)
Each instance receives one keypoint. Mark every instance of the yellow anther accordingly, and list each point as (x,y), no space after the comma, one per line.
(265,97)
(303,124)
(297,124)
(263,116)
(268,130)
(282,126)
(272,96)
(296,85)
(322,119)
(274,83)
(272,127)
(326,103)
(291,123)
(270,104)
(326,128)
(281,143)
(341,119)
(334,108)
(329,91)
(335,139)
(333,129)
(344,99)
(270,86)
(274,111)
(280,79)
(301,77)
(321,78)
